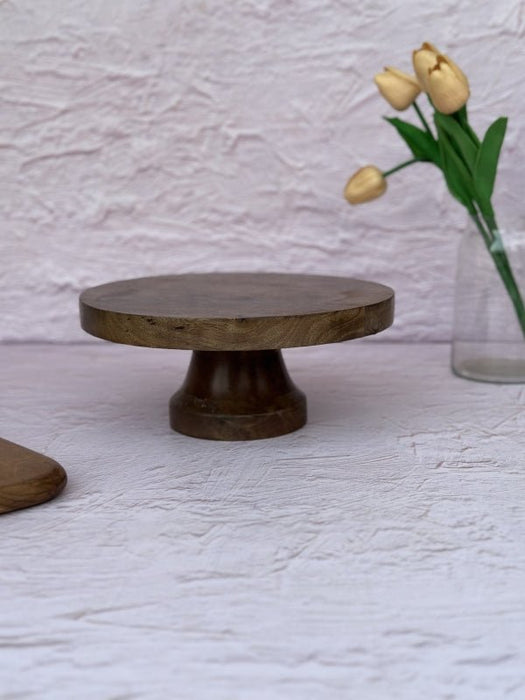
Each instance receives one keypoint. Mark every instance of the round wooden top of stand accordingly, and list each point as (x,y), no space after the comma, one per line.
(235,311)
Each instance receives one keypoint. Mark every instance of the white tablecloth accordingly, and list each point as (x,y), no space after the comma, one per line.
(379,552)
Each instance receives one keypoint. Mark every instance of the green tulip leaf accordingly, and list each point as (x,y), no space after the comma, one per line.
(421,143)
(487,161)
(464,145)
(462,117)
(457,176)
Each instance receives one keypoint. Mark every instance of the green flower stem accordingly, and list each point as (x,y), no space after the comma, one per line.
(494,244)
(422,118)
(400,166)
(482,227)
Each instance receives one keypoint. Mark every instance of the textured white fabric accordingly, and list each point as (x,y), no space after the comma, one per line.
(376,553)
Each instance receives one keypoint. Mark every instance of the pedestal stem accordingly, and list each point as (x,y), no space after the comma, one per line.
(237,395)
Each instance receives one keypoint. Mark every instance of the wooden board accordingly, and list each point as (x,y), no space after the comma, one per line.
(26,477)
(235,311)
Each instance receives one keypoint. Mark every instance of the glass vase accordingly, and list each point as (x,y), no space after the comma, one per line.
(488,341)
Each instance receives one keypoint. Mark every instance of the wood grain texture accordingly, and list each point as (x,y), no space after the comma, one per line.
(237,387)
(27,478)
(377,553)
(246,395)
(235,311)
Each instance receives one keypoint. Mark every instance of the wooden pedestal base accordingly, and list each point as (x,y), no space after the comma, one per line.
(237,387)
(237,395)
(26,477)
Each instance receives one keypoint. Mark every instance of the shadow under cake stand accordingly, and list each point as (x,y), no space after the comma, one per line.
(237,386)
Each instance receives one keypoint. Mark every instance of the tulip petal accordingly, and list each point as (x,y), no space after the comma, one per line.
(423,60)
(447,89)
(427,46)
(398,88)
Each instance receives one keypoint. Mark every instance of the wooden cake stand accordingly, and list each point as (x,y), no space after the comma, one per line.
(237,386)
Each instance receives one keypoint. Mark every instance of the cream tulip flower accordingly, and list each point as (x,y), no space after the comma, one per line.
(398,88)
(438,75)
(424,59)
(366,184)
(448,86)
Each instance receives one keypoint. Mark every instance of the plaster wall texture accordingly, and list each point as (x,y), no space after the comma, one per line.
(154,137)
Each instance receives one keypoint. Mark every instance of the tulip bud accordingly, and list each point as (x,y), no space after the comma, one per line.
(424,59)
(448,86)
(366,184)
(455,68)
(398,88)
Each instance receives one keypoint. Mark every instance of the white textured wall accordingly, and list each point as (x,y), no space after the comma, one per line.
(151,137)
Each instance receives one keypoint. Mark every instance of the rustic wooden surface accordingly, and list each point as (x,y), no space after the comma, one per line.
(27,478)
(377,553)
(242,396)
(246,395)
(235,311)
